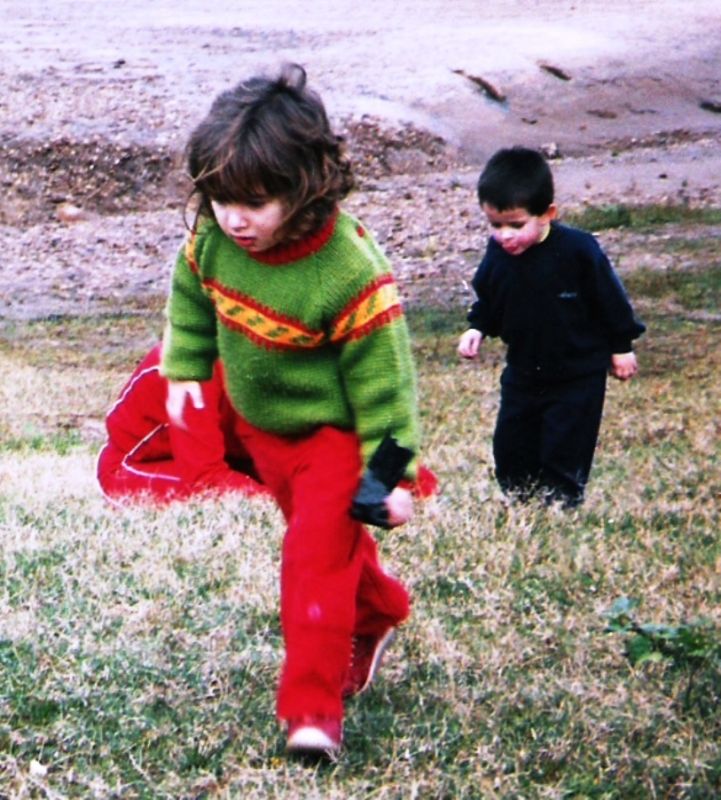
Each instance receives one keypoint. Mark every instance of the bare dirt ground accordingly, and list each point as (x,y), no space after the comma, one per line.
(97,100)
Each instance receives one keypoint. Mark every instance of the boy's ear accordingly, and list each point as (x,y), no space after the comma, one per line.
(551,212)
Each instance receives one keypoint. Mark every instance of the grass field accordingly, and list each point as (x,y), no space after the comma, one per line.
(550,654)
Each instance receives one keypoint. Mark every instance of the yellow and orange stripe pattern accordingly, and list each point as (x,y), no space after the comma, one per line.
(260,323)
(376,306)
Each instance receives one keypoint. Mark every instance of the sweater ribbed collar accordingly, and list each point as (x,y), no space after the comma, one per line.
(293,251)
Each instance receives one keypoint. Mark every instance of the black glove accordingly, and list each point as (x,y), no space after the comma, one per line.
(385,469)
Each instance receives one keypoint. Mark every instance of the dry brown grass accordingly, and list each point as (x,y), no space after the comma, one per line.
(139,648)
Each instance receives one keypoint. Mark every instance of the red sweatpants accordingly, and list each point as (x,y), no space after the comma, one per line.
(146,456)
(332,585)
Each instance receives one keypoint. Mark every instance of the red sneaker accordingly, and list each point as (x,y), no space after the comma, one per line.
(311,735)
(366,660)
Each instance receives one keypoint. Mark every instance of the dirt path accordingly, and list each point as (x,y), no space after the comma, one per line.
(96,101)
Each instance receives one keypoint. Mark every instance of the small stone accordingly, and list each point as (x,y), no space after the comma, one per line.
(69,213)
(551,150)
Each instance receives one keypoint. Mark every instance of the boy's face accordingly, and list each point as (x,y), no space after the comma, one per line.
(252,226)
(515,229)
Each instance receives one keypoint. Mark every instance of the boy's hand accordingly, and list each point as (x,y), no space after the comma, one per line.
(469,343)
(178,393)
(623,366)
(400,506)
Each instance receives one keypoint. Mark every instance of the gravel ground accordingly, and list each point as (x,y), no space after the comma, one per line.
(96,106)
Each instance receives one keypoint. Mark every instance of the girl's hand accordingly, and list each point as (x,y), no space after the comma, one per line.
(623,366)
(400,506)
(178,393)
(470,343)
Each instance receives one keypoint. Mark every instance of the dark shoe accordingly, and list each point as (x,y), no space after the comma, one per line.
(315,736)
(366,660)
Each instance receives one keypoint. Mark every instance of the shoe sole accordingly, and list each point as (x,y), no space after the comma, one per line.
(383,644)
(311,741)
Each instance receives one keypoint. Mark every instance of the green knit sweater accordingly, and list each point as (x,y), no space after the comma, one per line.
(309,334)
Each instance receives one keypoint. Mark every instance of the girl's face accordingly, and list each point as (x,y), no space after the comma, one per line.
(517,229)
(253,226)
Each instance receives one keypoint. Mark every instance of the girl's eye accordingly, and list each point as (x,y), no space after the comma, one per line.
(248,202)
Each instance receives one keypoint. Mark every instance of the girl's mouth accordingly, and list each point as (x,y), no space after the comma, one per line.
(244,241)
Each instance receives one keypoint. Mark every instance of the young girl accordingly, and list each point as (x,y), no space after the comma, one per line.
(298,302)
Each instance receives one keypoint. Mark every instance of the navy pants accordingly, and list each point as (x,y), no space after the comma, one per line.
(546,434)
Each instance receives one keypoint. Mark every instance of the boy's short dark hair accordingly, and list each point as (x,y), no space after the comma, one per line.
(271,139)
(517,177)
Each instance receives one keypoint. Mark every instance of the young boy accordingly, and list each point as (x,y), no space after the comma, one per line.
(552,296)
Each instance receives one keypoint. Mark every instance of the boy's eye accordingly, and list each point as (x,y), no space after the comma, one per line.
(515,225)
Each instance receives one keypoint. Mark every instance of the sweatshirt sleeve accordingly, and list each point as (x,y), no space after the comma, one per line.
(612,304)
(189,341)
(475,317)
(480,316)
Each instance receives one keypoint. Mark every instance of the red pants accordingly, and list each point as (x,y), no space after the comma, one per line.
(146,456)
(332,585)
(132,475)
(120,476)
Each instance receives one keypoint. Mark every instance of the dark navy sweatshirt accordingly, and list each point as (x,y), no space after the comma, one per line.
(559,306)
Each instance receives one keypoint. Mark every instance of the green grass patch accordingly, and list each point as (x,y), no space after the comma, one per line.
(61,442)
(622,215)
(693,290)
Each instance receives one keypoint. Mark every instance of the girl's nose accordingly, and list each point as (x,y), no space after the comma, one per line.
(237,219)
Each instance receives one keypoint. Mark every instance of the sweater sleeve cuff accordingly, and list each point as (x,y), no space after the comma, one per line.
(186,369)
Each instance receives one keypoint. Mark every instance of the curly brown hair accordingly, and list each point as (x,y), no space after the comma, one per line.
(271,139)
